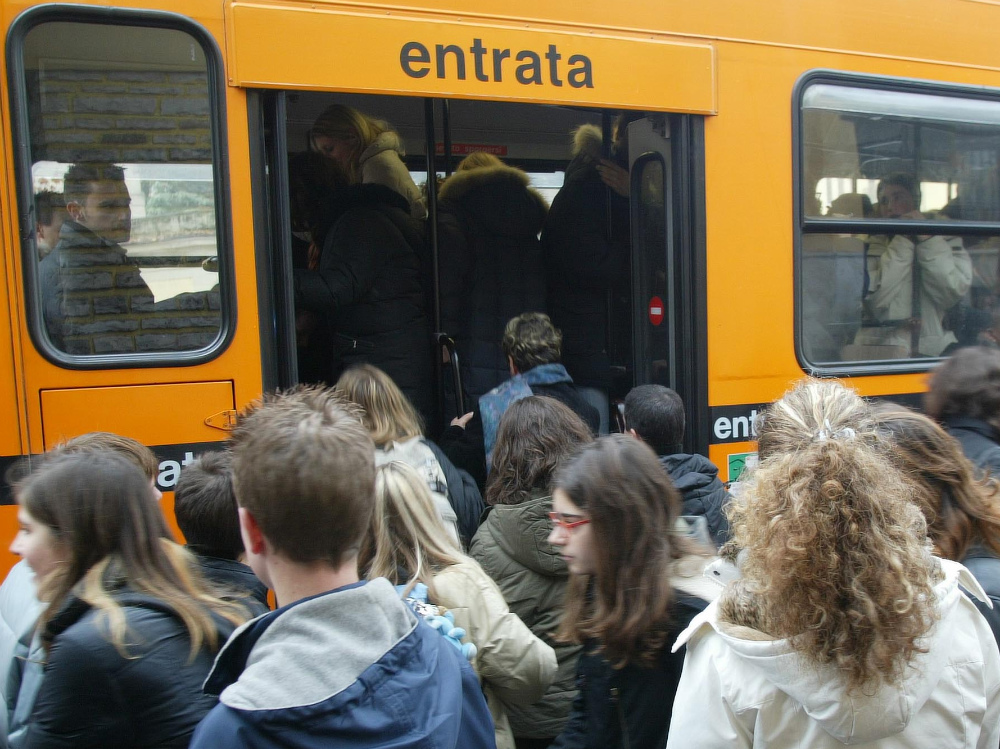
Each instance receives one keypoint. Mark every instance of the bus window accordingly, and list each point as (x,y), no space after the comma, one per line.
(122,216)
(885,176)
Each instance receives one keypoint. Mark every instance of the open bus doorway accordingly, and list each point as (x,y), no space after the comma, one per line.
(638,300)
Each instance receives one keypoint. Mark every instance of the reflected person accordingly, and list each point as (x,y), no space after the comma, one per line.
(88,274)
(893,315)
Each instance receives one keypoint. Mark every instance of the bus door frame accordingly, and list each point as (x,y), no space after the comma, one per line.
(680,148)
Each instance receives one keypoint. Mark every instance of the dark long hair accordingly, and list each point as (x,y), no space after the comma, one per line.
(961,509)
(632,506)
(535,435)
(100,509)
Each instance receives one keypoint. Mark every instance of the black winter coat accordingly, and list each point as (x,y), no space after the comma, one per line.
(584,261)
(233,581)
(697,479)
(980,442)
(369,292)
(491,266)
(633,700)
(93,696)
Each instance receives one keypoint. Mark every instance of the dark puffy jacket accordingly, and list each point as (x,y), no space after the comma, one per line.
(633,699)
(584,261)
(697,479)
(368,290)
(980,442)
(512,545)
(233,580)
(985,567)
(490,266)
(93,696)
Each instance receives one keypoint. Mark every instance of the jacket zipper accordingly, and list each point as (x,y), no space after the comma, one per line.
(621,717)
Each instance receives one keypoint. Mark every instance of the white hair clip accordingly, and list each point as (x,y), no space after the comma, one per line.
(826,432)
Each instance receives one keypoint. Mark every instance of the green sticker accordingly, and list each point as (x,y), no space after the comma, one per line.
(739,462)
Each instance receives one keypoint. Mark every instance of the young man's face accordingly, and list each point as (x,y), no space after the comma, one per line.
(895,201)
(106,211)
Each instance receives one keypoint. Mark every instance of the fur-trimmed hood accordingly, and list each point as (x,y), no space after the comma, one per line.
(387,141)
(587,140)
(499,199)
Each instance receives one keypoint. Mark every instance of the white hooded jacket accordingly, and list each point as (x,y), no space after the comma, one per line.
(740,688)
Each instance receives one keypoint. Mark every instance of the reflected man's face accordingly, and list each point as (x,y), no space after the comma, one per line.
(106,211)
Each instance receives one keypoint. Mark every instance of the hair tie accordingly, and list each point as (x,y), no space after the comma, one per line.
(826,432)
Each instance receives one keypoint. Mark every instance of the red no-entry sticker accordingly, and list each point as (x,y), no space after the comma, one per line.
(656,310)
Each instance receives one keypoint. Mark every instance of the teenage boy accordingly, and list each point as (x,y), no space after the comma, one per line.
(342,662)
(205,508)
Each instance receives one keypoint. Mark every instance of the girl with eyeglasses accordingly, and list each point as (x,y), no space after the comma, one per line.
(635,583)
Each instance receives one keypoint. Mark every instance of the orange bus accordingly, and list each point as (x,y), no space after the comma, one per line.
(765,139)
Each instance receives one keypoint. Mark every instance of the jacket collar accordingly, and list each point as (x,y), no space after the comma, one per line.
(973,425)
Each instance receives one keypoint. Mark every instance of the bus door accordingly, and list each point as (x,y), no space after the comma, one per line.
(667,290)
(124,266)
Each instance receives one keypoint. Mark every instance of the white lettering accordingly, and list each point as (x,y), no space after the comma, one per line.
(723,428)
(170,471)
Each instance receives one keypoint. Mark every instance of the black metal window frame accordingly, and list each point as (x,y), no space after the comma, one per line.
(68,13)
(805,224)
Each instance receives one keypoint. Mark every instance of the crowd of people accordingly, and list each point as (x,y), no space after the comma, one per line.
(843,593)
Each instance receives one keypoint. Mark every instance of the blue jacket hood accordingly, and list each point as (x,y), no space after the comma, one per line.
(354,667)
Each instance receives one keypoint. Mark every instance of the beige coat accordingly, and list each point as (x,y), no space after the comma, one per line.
(514,666)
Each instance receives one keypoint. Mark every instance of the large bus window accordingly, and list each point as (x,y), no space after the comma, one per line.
(122,225)
(887,176)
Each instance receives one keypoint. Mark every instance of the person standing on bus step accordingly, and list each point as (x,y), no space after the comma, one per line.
(841,627)
(655,415)
(489,219)
(367,150)
(366,292)
(586,247)
(635,584)
(343,662)
(129,630)
(21,669)
(90,245)
(892,314)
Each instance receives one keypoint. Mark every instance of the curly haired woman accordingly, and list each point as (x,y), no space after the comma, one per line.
(843,628)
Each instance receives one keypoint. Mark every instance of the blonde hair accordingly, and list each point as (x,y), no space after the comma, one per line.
(407,538)
(350,126)
(387,413)
(835,554)
(478,160)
